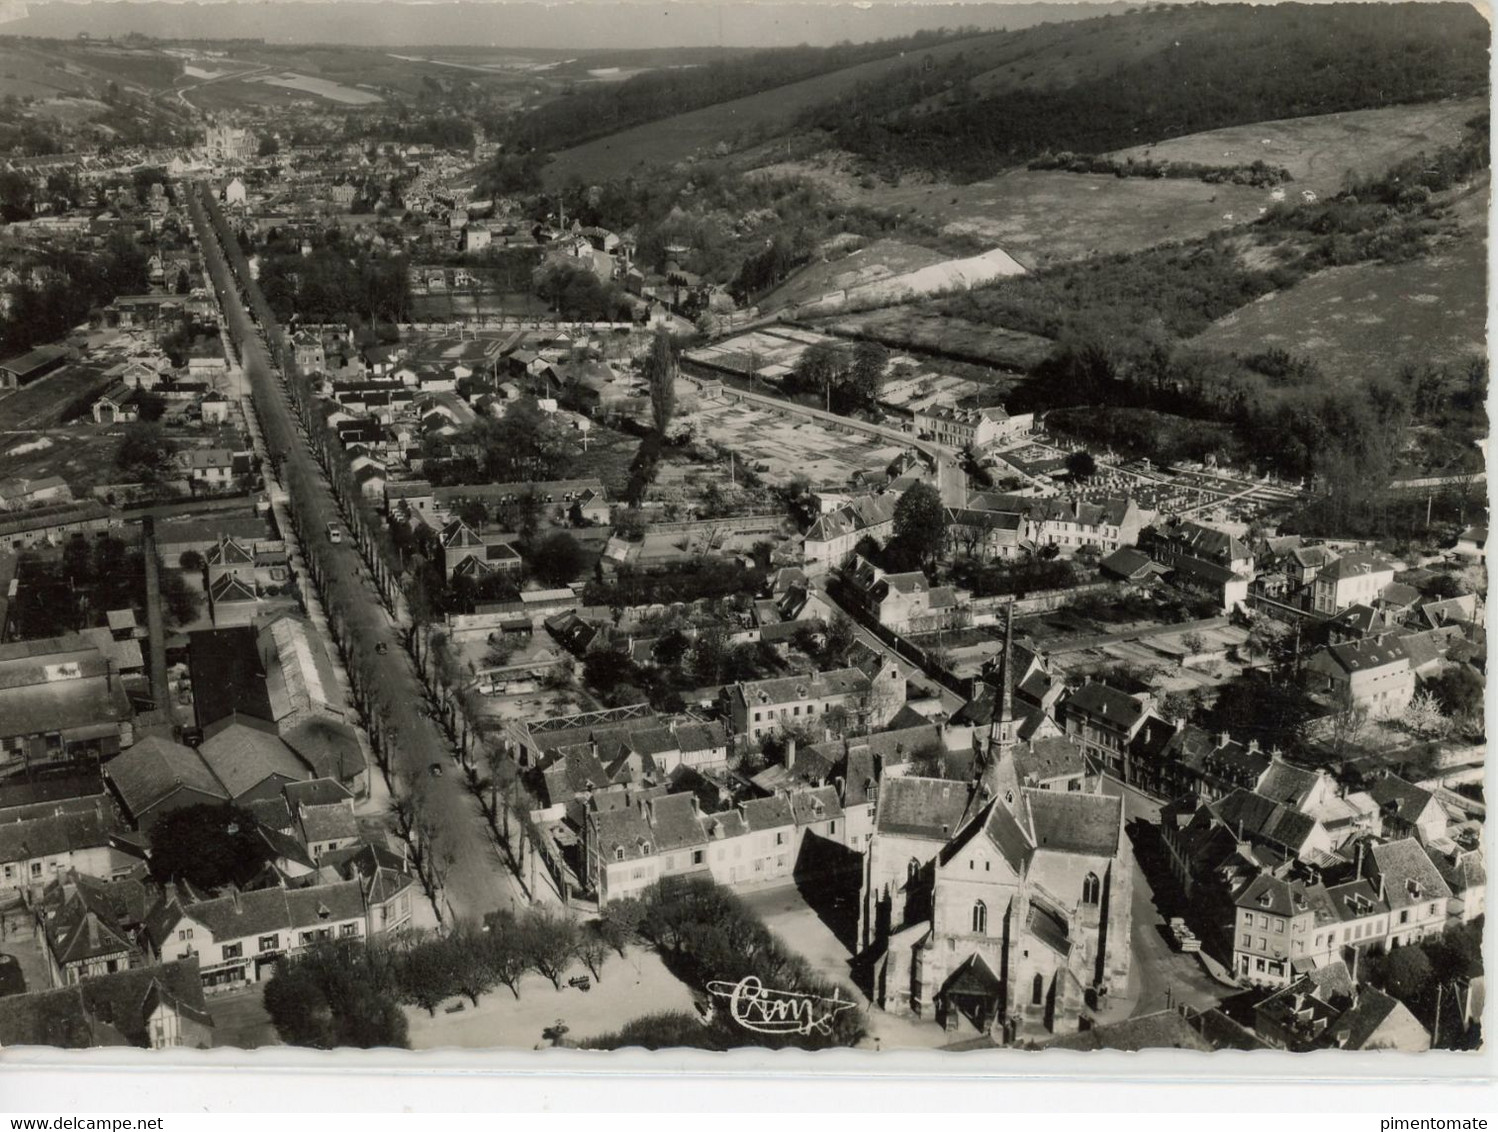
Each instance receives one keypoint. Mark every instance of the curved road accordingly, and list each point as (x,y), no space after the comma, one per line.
(478,881)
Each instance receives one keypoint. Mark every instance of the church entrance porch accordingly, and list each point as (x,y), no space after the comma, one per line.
(971,999)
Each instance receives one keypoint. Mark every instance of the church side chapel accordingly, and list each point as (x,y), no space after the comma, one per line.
(1000,905)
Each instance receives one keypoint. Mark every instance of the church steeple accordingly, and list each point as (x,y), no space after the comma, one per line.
(1002,726)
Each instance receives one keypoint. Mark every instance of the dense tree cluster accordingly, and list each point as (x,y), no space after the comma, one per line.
(576,292)
(330,285)
(849,379)
(62,593)
(523,445)
(690,581)
(1259,174)
(336,994)
(209,846)
(77,286)
(1424,975)
(347,994)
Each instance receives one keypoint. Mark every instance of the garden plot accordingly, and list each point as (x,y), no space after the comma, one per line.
(780,447)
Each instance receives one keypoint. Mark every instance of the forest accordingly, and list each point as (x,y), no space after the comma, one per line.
(584,113)
(1251,67)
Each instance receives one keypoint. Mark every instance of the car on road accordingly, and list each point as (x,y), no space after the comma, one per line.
(334,534)
(382,648)
(435,770)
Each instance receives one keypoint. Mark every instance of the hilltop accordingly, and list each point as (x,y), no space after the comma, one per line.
(973,106)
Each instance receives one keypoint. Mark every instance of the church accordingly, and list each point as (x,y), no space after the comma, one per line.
(1000,905)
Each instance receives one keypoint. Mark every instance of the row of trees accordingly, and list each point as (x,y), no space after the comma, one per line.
(348,994)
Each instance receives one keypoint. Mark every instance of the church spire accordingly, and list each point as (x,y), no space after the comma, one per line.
(1001,730)
(1006,674)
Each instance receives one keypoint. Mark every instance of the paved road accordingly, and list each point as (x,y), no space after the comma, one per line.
(478,881)
(1161,975)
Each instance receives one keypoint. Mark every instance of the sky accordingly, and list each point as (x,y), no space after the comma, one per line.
(579,24)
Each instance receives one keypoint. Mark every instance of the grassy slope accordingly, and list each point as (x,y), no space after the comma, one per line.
(1319,151)
(1373,317)
(44,71)
(881,259)
(675,139)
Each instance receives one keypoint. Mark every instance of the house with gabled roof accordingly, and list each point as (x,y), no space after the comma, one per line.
(150,1007)
(88,926)
(250,759)
(905,602)
(1374,673)
(1350,580)
(834,535)
(157,776)
(1407,810)
(1103,721)
(1416,893)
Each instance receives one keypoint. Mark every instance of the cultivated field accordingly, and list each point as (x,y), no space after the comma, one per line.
(782,446)
(82,455)
(1320,151)
(1371,317)
(1046,217)
(323,88)
(908,328)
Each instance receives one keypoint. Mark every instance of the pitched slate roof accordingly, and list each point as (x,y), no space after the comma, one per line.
(227,674)
(329,746)
(332,822)
(1354,566)
(1103,701)
(1370,654)
(268,910)
(86,918)
(242,756)
(1073,822)
(858,515)
(1286,784)
(1045,759)
(930,808)
(789,689)
(623,829)
(156,768)
(1254,816)
(56,834)
(1127,562)
(768,813)
(817,804)
(1409,876)
(673,817)
(107,1010)
(1407,801)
